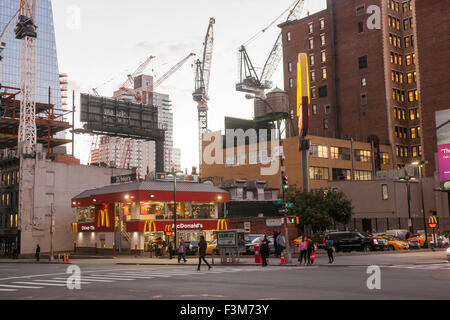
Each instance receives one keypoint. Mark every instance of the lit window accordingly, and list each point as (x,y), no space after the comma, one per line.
(310,28)
(412,114)
(322,40)
(324,56)
(324,73)
(413,133)
(322,24)
(311,43)
(290,66)
(313,75)
(314,109)
(363,82)
(288,36)
(311,60)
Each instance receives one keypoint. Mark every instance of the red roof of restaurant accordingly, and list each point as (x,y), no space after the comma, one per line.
(151,191)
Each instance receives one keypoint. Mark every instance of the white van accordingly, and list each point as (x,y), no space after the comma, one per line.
(399,233)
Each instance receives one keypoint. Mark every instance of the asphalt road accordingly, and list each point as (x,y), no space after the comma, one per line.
(403,276)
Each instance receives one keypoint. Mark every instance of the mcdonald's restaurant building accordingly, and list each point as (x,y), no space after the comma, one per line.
(141,214)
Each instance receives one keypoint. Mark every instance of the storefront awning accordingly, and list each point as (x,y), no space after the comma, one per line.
(150,191)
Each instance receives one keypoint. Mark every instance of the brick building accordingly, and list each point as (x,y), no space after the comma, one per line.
(363,80)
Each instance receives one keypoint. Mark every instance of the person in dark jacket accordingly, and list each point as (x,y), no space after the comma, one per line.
(310,249)
(38,251)
(329,245)
(275,244)
(202,253)
(264,251)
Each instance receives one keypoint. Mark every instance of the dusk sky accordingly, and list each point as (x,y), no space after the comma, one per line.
(113,37)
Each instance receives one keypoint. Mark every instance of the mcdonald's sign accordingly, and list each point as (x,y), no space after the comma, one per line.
(103,218)
(150,226)
(222,225)
(74,228)
(432,222)
(168,230)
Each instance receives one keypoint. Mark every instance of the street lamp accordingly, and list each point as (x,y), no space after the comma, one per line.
(175,174)
(408,188)
(421,164)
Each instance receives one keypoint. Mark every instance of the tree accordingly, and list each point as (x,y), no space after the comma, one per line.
(321,209)
(339,208)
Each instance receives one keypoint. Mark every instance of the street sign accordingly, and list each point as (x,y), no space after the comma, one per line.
(289,205)
(279,202)
(282,211)
(123,179)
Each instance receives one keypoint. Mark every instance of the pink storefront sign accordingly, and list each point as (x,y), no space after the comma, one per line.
(444,161)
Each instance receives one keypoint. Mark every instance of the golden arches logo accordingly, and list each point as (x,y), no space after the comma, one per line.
(74,227)
(222,225)
(432,220)
(168,228)
(103,218)
(150,226)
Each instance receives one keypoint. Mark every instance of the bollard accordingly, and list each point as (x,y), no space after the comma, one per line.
(135,250)
(74,247)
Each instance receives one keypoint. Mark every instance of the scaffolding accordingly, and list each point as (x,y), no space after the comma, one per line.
(49,122)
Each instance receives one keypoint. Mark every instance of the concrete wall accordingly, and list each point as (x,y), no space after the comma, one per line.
(58,183)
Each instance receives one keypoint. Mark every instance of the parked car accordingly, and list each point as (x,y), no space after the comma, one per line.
(351,241)
(420,238)
(250,248)
(192,247)
(394,243)
(211,247)
(249,238)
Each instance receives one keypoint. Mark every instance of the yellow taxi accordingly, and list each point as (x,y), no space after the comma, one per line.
(420,238)
(211,247)
(394,243)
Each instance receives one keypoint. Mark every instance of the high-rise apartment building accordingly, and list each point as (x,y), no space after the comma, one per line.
(47,71)
(363,75)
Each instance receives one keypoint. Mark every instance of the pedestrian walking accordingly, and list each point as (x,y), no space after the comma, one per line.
(202,253)
(281,242)
(275,244)
(182,251)
(329,246)
(310,250)
(38,251)
(302,248)
(170,250)
(264,248)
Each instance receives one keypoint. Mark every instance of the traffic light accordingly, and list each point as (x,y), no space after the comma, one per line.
(285,183)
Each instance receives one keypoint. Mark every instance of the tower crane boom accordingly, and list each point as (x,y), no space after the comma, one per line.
(129,82)
(171,71)
(250,82)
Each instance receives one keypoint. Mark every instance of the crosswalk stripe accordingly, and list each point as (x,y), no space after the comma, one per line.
(128,275)
(109,278)
(42,284)
(159,275)
(84,278)
(19,287)
(62,281)
(7,290)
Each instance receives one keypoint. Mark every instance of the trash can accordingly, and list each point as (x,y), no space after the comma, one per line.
(257,250)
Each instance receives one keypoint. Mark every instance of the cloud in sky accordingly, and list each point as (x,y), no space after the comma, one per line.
(115,36)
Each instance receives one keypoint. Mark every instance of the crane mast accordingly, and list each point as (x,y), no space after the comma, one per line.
(26,32)
(202,77)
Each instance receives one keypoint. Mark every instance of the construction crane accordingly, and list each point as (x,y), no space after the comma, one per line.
(26,32)
(202,76)
(130,78)
(3,44)
(169,73)
(249,81)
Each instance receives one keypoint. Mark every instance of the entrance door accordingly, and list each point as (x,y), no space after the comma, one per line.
(367,225)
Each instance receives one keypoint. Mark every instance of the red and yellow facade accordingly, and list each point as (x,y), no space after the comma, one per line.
(128,217)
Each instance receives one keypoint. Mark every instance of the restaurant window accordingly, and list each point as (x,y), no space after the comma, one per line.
(203,211)
(318,173)
(86,214)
